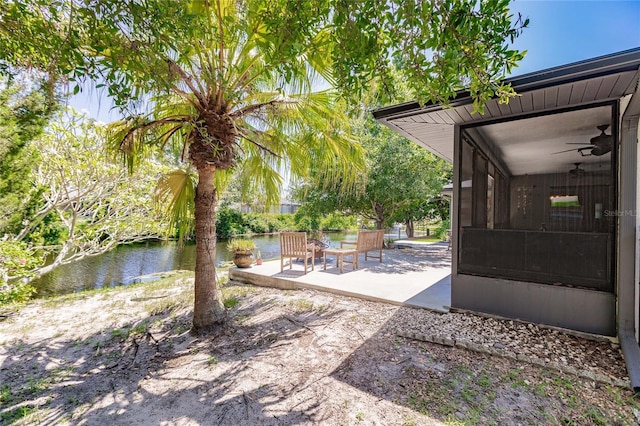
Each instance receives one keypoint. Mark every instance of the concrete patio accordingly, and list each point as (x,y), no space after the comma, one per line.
(416,274)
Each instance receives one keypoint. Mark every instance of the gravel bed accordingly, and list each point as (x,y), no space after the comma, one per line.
(599,358)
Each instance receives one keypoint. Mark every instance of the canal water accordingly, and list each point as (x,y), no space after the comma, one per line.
(132,263)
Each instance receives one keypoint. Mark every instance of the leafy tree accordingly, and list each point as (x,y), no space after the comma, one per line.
(402,183)
(238,194)
(424,200)
(405,181)
(17,260)
(441,45)
(230,80)
(94,199)
(23,115)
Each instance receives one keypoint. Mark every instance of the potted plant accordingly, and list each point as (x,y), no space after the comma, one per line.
(319,242)
(242,250)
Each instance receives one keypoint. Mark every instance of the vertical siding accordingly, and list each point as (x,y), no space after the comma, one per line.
(627,223)
(454,202)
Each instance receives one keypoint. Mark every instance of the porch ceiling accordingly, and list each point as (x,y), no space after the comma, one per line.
(580,84)
(534,145)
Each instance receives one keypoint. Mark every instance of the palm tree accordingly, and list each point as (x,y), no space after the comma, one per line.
(228,105)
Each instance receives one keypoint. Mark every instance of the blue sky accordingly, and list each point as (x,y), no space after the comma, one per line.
(560,32)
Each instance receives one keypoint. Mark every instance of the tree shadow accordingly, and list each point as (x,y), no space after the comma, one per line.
(286,357)
(461,386)
(104,378)
(406,260)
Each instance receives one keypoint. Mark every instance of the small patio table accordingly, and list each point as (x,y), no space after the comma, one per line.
(340,254)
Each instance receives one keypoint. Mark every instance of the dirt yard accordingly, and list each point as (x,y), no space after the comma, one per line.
(125,356)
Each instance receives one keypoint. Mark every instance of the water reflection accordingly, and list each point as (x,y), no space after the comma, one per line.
(126,264)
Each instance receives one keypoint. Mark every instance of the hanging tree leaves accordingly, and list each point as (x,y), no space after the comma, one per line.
(441,46)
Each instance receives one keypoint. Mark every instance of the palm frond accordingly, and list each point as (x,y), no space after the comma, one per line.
(135,138)
(174,197)
(260,175)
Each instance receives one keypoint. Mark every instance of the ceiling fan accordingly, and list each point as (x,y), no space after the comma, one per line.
(598,146)
(577,171)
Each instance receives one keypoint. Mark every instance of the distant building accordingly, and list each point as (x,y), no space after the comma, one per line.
(285,206)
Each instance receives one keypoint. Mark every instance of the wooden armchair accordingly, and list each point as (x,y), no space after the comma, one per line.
(368,241)
(293,245)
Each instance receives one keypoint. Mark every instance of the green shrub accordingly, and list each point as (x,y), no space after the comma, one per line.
(16,292)
(308,224)
(307,221)
(230,222)
(338,222)
(441,231)
(16,262)
(257,223)
(281,222)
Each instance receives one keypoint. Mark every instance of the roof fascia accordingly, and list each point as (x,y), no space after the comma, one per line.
(628,60)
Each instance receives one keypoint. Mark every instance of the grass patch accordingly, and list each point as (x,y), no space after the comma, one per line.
(231,302)
(19,413)
(123,333)
(167,281)
(231,294)
(302,305)
(426,240)
(36,385)
(596,417)
(430,397)
(5,395)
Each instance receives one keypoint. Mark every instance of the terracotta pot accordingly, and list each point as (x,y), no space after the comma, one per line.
(243,258)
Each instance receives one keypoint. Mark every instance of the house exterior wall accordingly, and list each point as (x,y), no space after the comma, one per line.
(570,308)
(627,219)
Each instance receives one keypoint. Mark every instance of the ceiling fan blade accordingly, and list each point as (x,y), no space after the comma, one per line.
(569,150)
(579,143)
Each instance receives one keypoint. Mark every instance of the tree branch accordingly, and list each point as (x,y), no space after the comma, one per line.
(143,126)
(244,135)
(188,80)
(221,59)
(255,107)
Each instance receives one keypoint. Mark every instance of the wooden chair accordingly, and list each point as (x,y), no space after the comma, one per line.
(368,241)
(294,246)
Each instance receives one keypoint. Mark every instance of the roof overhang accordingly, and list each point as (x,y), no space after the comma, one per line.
(593,81)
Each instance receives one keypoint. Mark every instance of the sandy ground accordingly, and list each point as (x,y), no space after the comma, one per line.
(126,356)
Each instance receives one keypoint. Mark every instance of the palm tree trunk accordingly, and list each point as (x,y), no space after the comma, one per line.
(208,309)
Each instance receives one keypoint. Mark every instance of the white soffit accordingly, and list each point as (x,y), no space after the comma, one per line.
(548,143)
(433,129)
